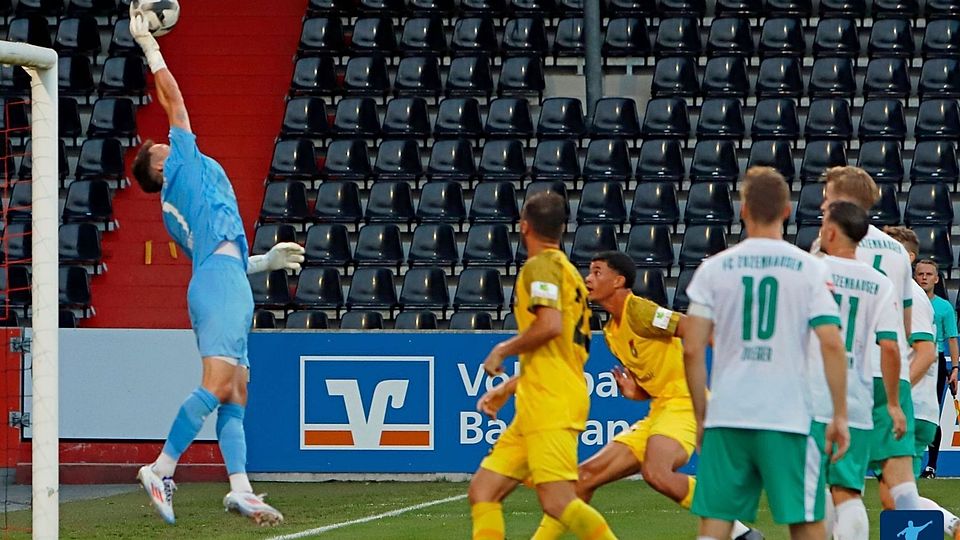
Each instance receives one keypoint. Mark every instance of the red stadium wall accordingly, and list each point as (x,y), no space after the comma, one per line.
(233,62)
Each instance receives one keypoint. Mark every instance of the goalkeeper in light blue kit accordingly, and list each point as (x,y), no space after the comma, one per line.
(200,212)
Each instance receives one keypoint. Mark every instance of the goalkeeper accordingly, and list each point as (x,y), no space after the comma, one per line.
(200,213)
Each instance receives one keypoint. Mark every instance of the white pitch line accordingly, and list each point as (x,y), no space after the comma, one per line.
(392,513)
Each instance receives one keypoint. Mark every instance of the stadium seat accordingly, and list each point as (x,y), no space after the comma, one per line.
(416,320)
(729,36)
(458,118)
(781,36)
(32,29)
(19,202)
(271,234)
(270,289)
(887,78)
(561,118)
(602,202)
(524,36)
(284,201)
(721,118)
(650,246)
(366,76)
(829,119)
(700,242)
(556,160)
(307,320)
(488,245)
(934,162)
(80,244)
(522,76)
(819,156)
(474,36)
(788,8)
(101,8)
(806,236)
(725,77)
(938,119)
(46,8)
(903,9)
(891,38)
(510,322)
(121,42)
(627,37)
(775,118)
(264,320)
(547,185)
(425,288)
(441,202)
(882,160)
(941,38)
(452,160)
(361,320)
(940,78)
(113,117)
(305,116)
(502,160)
(681,8)
(75,290)
(709,203)
(935,244)
(477,8)
(373,35)
(328,244)
(714,161)
(836,37)
(615,118)
(832,78)
(356,117)
(25,171)
(632,8)
(738,8)
(676,36)
(590,240)
(314,76)
(347,159)
(14,81)
(882,119)
(655,203)
(928,204)
(18,242)
(75,76)
(675,76)
(469,76)
(935,9)
(123,76)
(434,244)
(650,284)
(570,40)
(294,159)
(886,211)
(406,118)
(494,202)
(607,159)
(479,288)
(372,288)
(779,77)
(338,202)
(15,281)
(67,318)
(680,299)
(322,36)
(808,205)
(319,288)
(423,36)
(431,8)
(509,118)
(88,200)
(398,160)
(379,245)
(661,160)
(418,76)
(78,35)
(666,118)
(390,8)
(390,202)
(471,320)
(69,116)
(776,154)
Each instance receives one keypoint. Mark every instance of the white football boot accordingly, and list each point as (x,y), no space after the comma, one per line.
(253,507)
(160,491)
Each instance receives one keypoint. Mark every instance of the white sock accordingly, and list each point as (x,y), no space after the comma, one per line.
(706,538)
(852,521)
(738,529)
(164,466)
(950,521)
(905,496)
(829,514)
(240,483)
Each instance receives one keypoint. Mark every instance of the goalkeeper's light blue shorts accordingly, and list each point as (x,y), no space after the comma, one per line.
(221,307)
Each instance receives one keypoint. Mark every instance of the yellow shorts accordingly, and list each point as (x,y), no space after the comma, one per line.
(543,456)
(673,418)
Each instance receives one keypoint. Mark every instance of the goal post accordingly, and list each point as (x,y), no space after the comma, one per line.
(41,64)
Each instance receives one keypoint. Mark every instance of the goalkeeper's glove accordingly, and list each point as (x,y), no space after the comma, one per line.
(140,30)
(283,256)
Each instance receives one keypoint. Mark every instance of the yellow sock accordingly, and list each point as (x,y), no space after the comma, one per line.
(549,529)
(488,521)
(585,522)
(687,501)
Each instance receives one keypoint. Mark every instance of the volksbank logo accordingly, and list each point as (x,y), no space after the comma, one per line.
(366,403)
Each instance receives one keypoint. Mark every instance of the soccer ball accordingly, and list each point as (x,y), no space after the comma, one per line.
(161,15)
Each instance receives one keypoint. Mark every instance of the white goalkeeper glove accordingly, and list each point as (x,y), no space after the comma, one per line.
(283,256)
(140,30)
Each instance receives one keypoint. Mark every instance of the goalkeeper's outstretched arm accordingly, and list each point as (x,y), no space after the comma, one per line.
(168,92)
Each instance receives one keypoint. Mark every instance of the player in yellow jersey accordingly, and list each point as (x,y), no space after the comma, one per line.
(553,340)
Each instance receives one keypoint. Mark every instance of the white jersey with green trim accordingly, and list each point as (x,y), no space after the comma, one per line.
(763,296)
(866,302)
(880,251)
(926,406)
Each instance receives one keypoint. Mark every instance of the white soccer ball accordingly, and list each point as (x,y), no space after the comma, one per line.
(161,15)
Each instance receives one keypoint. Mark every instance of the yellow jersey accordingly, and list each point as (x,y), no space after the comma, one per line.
(644,343)
(552,392)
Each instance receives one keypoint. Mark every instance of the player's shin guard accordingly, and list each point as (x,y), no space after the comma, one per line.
(549,529)
(188,422)
(487,521)
(687,500)
(950,521)
(584,521)
(233,441)
(905,496)
(852,521)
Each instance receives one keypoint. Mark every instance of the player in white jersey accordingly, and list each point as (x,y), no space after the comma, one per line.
(867,316)
(763,297)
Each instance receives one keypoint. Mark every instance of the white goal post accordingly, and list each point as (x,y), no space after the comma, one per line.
(41,64)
